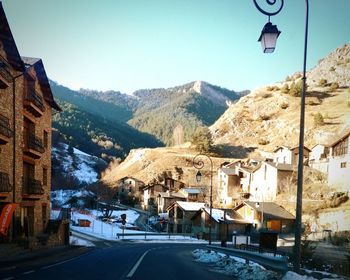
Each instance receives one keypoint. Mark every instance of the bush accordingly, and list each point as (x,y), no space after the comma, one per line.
(332,69)
(263,142)
(322,82)
(284,105)
(334,86)
(264,117)
(288,79)
(295,88)
(318,120)
(348,103)
(285,89)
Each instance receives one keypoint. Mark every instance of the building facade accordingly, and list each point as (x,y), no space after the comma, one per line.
(26,104)
(339,163)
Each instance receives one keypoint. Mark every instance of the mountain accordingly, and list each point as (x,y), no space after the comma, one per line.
(97,135)
(269,116)
(111,105)
(190,106)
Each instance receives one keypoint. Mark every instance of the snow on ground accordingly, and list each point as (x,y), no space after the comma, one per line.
(75,241)
(61,197)
(238,268)
(109,231)
(83,164)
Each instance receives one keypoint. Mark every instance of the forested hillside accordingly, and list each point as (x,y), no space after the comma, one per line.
(97,135)
(189,106)
(111,105)
(155,112)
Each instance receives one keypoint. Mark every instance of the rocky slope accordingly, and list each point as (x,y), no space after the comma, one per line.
(268,117)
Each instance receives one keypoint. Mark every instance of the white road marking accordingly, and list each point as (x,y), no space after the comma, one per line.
(28,272)
(133,270)
(107,244)
(59,263)
(8,278)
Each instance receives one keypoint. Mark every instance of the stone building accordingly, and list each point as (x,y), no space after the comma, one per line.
(26,104)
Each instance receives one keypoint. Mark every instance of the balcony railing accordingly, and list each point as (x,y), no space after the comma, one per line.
(5,185)
(5,130)
(32,186)
(35,143)
(33,97)
(5,72)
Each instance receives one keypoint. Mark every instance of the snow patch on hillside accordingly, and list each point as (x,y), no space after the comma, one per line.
(78,164)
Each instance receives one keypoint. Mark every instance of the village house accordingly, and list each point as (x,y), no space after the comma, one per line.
(319,158)
(180,214)
(270,179)
(150,195)
(223,222)
(267,215)
(173,185)
(129,190)
(287,155)
(26,104)
(339,163)
(165,199)
(192,194)
(228,183)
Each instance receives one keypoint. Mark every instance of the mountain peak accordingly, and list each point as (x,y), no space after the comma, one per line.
(198,86)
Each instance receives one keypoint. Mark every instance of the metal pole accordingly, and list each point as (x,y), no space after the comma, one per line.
(199,165)
(298,213)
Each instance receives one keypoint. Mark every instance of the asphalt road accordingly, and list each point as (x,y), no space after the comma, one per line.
(122,260)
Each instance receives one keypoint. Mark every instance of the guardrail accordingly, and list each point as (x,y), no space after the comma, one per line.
(279,263)
(154,234)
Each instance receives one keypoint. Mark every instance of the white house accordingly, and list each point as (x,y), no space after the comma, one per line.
(228,180)
(269,179)
(319,158)
(339,163)
(287,155)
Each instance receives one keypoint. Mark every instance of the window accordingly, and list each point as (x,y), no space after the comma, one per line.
(46,139)
(44,176)
(343,165)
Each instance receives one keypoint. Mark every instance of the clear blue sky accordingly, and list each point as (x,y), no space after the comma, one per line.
(127,45)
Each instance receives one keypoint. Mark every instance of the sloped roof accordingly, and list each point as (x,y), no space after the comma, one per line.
(191,190)
(281,166)
(8,42)
(187,206)
(171,195)
(218,216)
(228,171)
(38,66)
(270,210)
(340,139)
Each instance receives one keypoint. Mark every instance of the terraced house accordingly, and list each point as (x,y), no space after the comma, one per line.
(26,104)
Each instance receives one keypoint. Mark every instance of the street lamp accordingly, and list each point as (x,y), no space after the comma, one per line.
(199,164)
(298,212)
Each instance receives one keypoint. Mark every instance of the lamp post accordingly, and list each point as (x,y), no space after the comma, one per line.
(266,38)
(198,163)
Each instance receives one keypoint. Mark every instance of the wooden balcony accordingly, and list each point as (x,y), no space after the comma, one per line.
(34,103)
(5,76)
(5,186)
(5,131)
(33,146)
(32,189)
